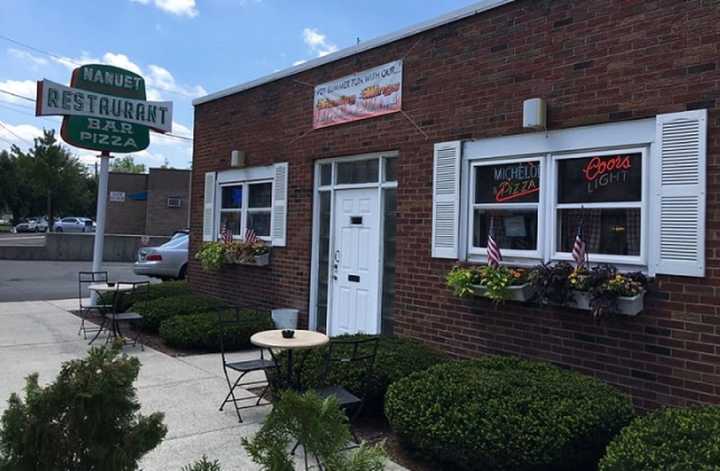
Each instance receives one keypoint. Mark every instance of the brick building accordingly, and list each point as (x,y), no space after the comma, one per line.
(367,217)
(153,203)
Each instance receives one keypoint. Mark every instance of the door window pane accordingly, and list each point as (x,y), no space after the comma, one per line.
(605,231)
(259,221)
(507,183)
(358,171)
(390,169)
(326,174)
(232,197)
(607,178)
(260,195)
(515,229)
(388,285)
(324,260)
(231,222)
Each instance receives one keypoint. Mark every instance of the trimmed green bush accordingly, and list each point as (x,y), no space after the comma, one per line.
(201,331)
(501,413)
(165,289)
(161,309)
(677,439)
(396,359)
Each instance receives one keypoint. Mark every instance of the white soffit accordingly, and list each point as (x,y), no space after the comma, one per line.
(456,15)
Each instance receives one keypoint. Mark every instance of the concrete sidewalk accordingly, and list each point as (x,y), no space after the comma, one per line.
(37,336)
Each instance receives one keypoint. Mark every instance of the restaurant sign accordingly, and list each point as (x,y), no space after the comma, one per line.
(373,92)
(104,109)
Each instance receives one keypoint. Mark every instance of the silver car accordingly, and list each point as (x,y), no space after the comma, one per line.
(168,261)
(73,224)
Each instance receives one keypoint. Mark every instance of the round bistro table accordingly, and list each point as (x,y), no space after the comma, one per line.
(118,288)
(302,340)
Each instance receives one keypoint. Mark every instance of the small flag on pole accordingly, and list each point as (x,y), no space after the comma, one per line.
(250,236)
(226,234)
(579,251)
(493,249)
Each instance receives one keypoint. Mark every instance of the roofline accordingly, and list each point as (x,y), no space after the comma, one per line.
(474,9)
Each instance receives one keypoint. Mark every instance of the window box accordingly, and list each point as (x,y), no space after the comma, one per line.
(256,260)
(626,305)
(520,293)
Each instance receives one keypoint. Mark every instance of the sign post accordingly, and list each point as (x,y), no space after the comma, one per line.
(105,108)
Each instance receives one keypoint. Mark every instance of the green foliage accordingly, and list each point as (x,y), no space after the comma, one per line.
(501,413)
(87,420)
(494,280)
(161,309)
(166,289)
(461,279)
(201,331)
(396,359)
(552,282)
(126,164)
(320,426)
(211,256)
(669,439)
(203,464)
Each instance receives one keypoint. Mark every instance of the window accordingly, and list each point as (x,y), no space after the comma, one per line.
(244,206)
(601,195)
(506,199)
(598,193)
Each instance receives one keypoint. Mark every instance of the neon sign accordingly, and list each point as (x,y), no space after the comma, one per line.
(597,166)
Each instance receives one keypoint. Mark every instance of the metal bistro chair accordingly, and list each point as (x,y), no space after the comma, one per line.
(230,328)
(140,293)
(101,306)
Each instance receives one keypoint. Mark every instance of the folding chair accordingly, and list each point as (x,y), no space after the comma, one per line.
(140,293)
(231,327)
(101,305)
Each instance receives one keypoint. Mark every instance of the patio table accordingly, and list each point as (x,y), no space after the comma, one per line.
(302,340)
(102,288)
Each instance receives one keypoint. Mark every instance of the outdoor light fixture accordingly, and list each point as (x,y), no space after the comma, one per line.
(534,114)
(237,158)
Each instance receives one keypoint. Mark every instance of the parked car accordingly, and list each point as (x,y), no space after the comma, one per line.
(167,261)
(74,224)
(29,225)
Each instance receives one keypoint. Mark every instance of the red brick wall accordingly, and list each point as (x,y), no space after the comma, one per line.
(594,61)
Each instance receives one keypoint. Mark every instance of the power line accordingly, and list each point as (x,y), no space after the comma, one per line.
(2,125)
(60,58)
(168,134)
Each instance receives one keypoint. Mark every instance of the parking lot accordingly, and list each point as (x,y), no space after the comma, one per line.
(23,280)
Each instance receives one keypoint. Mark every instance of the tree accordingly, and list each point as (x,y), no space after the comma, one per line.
(54,175)
(87,420)
(126,164)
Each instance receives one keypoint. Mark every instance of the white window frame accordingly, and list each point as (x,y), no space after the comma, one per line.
(642,205)
(244,210)
(539,206)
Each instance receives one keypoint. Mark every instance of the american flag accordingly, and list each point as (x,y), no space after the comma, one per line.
(250,236)
(493,249)
(579,251)
(226,234)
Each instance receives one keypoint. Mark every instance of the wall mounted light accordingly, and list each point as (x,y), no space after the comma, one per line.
(534,114)
(237,158)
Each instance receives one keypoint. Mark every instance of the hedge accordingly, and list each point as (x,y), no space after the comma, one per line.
(201,331)
(165,289)
(501,413)
(676,439)
(160,309)
(396,359)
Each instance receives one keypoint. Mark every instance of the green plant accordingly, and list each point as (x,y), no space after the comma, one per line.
(396,359)
(160,309)
(212,255)
(495,280)
(552,283)
(669,439)
(201,330)
(322,429)
(155,291)
(86,420)
(203,464)
(605,285)
(461,279)
(501,413)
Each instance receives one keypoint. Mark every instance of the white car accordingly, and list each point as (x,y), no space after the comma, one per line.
(74,224)
(167,261)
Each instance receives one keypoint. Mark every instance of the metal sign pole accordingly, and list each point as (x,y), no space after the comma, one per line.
(100,217)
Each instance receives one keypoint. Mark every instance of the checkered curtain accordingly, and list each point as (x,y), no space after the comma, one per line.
(632,231)
(592,225)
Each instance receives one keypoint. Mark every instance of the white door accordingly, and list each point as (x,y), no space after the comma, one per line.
(355,263)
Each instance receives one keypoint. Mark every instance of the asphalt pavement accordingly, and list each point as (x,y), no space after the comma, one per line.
(22,280)
(24,239)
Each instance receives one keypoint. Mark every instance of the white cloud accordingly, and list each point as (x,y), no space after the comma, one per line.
(24,55)
(21,135)
(318,42)
(301,61)
(26,88)
(176,7)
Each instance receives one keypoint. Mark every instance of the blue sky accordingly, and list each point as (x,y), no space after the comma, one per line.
(183,48)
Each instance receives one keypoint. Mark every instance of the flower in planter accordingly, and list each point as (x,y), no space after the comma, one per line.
(213,255)
(494,280)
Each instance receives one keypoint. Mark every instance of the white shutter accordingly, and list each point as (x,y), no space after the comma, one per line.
(446,199)
(209,207)
(679,166)
(278,228)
